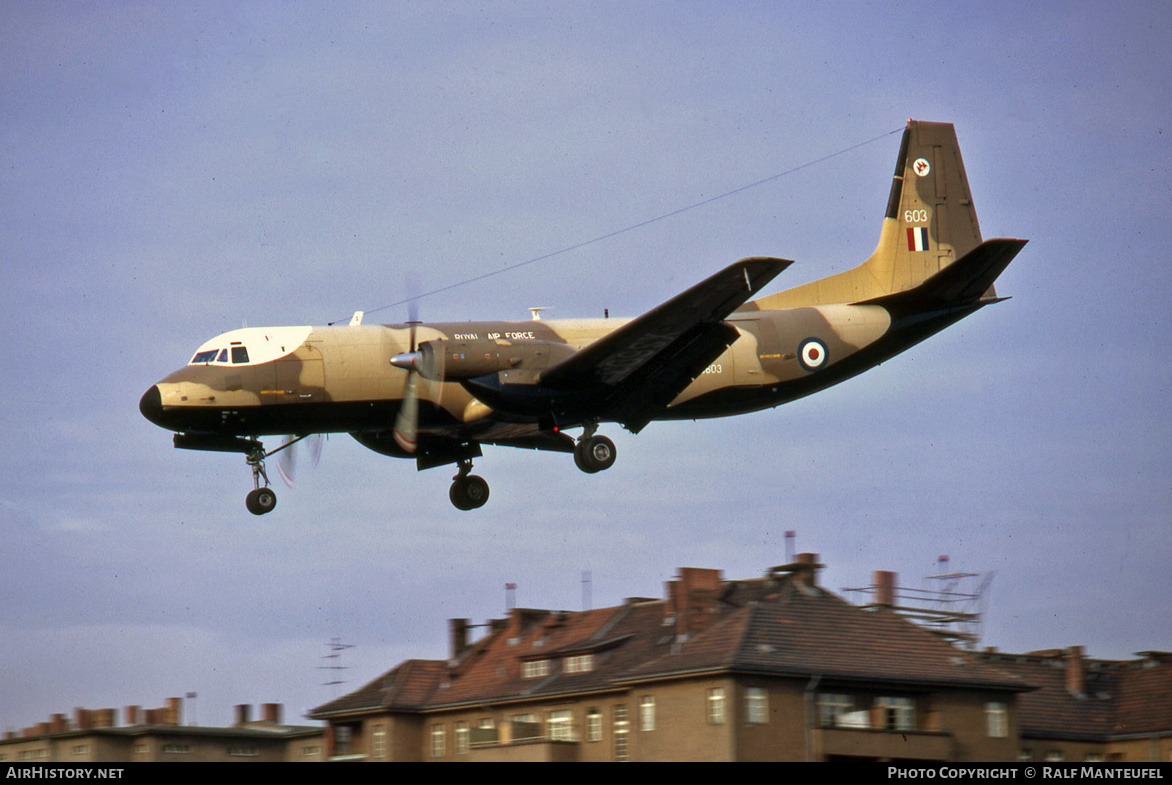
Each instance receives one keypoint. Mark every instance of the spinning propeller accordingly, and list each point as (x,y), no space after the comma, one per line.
(416,361)
(287,460)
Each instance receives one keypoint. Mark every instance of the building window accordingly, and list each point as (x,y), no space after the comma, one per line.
(560,725)
(463,734)
(831,707)
(1055,756)
(243,752)
(579,663)
(716,706)
(438,742)
(647,713)
(343,736)
(178,749)
(621,728)
(525,726)
(997,720)
(534,669)
(593,725)
(756,706)
(81,749)
(897,713)
(378,741)
(310,751)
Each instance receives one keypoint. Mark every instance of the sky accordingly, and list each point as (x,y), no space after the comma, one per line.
(173,171)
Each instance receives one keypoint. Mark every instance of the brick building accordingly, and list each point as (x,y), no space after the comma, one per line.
(771,668)
(158,735)
(1092,710)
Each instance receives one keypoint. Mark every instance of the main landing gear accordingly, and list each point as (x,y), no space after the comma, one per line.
(468,491)
(592,454)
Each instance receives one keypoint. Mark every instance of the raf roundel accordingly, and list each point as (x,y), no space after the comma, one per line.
(812,354)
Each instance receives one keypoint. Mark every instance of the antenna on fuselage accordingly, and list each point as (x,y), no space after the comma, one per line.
(356,319)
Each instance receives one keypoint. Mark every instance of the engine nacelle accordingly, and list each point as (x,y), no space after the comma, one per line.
(450,360)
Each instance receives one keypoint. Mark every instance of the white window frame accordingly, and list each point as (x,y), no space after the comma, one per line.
(898,713)
(997,720)
(559,725)
(534,669)
(647,713)
(715,708)
(756,706)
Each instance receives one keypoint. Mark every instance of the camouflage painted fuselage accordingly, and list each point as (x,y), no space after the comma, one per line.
(709,352)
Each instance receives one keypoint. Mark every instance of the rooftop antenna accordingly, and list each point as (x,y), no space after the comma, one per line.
(790,537)
(586,587)
(951,605)
(335,647)
(510,596)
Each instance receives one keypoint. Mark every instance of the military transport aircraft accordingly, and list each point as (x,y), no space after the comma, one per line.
(437,392)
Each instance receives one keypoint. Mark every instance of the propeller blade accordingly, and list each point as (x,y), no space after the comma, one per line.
(287,461)
(287,457)
(407,421)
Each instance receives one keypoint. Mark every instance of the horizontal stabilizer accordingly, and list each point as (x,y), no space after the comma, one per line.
(961,283)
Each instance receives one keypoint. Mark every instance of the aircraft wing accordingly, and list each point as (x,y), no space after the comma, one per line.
(635,371)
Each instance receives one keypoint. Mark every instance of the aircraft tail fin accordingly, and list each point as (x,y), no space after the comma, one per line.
(929,224)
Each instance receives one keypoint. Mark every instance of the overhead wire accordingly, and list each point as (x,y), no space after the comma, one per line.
(632,227)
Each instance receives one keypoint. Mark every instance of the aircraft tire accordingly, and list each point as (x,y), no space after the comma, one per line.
(469,493)
(261,501)
(595,454)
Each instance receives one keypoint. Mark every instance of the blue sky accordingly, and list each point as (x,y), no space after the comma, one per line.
(173,171)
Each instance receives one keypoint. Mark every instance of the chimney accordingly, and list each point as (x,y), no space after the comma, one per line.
(173,712)
(102,718)
(885,588)
(272,713)
(58,723)
(458,635)
(807,569)
(81,718)
(692,599)
(130,715)
(1076,678)
(242,713)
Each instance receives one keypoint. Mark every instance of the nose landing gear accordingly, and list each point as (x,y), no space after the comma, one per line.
(260,500)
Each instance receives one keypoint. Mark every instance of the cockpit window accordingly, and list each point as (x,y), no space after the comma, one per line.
(205,357)
(239,354)
(223,358)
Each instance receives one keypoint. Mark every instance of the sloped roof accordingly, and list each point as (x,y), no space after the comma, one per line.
(773,626)
(1118,699)
(406,686)
(807,631)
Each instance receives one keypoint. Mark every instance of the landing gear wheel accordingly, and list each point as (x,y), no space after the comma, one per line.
(468,492)
(261,501)
(594,454)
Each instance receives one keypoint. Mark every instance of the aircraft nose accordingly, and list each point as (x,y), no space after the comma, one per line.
(151,405)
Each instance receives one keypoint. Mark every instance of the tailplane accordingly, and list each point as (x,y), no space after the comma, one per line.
(930,223)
